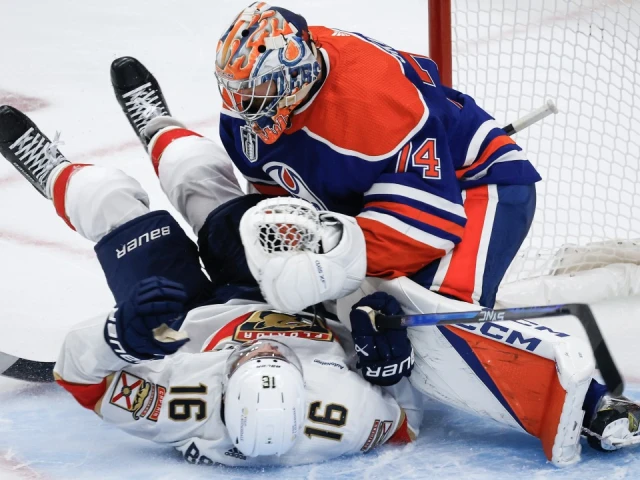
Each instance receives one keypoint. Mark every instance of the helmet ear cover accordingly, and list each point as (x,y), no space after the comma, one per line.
(264,398)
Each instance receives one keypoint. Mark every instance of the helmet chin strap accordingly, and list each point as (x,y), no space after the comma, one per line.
(296,97)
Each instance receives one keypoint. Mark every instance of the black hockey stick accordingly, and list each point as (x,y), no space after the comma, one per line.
(27,370)
(581,311)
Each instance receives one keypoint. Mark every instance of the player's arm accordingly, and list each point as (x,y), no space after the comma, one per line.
(386,358)
(413,213)
(142,327)
(478,144)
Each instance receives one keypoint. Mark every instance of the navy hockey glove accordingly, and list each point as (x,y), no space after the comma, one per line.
(384,356)
(144,327)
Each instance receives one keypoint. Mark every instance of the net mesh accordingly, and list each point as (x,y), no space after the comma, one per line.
(511,55)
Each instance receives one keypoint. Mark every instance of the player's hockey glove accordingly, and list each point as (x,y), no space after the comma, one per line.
(144,327)
(384,356)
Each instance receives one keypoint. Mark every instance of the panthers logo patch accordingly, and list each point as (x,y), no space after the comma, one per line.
(267,324)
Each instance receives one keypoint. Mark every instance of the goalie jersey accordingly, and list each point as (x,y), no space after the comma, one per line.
(383,140)
(177,400)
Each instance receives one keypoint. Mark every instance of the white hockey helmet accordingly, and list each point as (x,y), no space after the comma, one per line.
(264,397)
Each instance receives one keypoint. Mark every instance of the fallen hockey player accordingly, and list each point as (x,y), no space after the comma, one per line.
(232,394)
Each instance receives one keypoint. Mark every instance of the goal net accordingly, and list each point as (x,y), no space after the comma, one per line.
(513,55)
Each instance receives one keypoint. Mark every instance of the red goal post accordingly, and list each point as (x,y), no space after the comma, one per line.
(512,56)
(440,38)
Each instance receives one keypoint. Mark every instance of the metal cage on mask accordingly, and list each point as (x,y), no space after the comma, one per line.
(265,67)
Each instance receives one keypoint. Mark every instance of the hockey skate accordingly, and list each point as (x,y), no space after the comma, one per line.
(138,94)
(615,424)
(28,149)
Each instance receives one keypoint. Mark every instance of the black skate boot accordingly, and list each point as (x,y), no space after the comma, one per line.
(28,149)
(615,424)
(138,94)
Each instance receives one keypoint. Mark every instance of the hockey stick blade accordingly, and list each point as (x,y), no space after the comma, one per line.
(27,370)
(582,312)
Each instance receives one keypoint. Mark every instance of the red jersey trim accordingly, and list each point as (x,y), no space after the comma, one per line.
(87,395)
(164,140)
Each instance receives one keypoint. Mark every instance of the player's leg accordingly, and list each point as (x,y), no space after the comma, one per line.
(195,173)
(107,206)
(498,220)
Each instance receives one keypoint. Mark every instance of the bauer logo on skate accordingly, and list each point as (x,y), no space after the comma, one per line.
(289,179)
(142,239)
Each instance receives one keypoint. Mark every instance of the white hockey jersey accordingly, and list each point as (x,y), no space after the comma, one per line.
(177,401)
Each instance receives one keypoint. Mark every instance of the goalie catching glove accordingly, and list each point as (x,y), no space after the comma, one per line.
(301,256)
(384,356)
(144,327)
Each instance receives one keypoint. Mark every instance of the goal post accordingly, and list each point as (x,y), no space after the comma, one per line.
(513,55)
(440,38)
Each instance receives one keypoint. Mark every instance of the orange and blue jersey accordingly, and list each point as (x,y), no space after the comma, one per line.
(384,141)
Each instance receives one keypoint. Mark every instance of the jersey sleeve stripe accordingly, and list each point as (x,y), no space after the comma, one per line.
(512,156)
(419,216)
(387,250)
(492,148)
(425,227)
(402,229)
(423,207)
(478,139)
(415,194)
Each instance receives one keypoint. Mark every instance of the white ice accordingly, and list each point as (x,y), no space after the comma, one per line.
(54,59)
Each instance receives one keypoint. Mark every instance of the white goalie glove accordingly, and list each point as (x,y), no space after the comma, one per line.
(301,256)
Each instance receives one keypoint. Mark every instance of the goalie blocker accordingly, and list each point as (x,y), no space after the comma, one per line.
(521,374)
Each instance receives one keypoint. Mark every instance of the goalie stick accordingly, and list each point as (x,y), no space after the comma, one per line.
(547,109)
(581,311)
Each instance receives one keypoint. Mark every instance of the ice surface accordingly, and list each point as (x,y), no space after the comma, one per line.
(55,59)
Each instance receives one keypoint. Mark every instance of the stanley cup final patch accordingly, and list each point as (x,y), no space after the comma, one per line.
(136,395)
(249,143)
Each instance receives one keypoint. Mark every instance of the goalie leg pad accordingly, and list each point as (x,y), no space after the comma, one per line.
(520,374)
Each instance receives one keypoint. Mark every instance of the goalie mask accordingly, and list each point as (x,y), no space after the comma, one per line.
(265,67)
(264,398)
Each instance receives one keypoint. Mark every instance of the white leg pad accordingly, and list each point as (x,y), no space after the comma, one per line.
(520,373)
